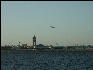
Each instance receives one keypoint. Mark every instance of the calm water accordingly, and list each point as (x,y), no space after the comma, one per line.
(47,61)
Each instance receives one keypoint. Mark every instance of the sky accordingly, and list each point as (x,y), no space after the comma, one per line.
(21,20)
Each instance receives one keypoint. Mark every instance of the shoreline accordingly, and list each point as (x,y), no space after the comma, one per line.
(37,51)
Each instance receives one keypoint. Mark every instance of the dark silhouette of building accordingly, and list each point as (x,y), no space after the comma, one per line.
(34,41)
(7,47)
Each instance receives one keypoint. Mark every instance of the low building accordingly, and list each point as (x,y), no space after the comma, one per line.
(41,47)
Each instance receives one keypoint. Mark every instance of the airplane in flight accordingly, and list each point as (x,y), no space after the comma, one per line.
(52,26)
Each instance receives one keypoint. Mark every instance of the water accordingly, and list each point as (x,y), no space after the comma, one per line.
(47,61)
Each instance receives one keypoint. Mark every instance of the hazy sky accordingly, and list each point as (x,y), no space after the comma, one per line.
(21,20)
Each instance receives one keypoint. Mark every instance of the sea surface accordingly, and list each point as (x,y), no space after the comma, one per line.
(47,61)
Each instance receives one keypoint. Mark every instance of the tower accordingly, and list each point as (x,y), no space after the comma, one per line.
(34,41)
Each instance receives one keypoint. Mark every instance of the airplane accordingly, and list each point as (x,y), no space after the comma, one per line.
(52,26)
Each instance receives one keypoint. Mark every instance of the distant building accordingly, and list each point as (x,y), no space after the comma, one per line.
(24,45)
(89,47)
(34,41)
(71,47)
(6,47)
(42,47)
(58,48)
